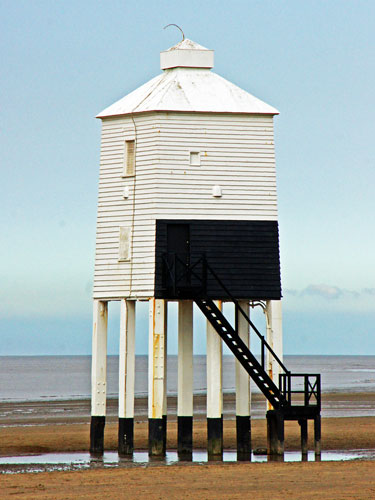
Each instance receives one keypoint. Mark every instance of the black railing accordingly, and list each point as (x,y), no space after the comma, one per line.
(238,309)
(181,275)
(175,277)
(309,387)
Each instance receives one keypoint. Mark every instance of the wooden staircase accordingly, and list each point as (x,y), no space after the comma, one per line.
(280,396)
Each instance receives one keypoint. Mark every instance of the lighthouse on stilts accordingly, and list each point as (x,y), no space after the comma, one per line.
(187,212)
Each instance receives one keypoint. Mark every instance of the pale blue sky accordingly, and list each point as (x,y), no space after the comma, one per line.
(64,61)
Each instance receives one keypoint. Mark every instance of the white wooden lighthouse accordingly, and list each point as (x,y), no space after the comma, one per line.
(187,212)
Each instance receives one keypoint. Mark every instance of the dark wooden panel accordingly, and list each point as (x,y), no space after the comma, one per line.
(244,254)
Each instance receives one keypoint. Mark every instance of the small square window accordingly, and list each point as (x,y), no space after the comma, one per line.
(129,160)
(195,158)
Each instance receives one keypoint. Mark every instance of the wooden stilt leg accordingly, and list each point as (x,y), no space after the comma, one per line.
(317,437)
(243,395)
(157,373)
(126,378)
(275,434)
(185,380)
(98,377)
(214,394)
(304,435)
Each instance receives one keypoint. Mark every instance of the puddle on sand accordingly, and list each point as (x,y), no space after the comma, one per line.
(83,460)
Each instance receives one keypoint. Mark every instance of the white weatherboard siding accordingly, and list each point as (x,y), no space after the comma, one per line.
(114,278)
(236,153)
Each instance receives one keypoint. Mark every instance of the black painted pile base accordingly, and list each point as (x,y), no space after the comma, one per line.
(157,428)
(275,431)
(157,436)
(243,431)
(97,435)
(125,436)
(215,437)
(185,437)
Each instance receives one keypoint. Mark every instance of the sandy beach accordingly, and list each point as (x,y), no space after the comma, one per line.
(299,481)
(64,426)
(49,426)
(337,434)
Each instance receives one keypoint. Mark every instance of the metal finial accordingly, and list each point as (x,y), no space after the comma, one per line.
(183,36)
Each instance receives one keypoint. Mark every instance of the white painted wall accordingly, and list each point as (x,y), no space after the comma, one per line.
(237,153)
(114,279)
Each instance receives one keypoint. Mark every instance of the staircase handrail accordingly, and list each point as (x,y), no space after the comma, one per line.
(285,379)
(239,308)
(189,269)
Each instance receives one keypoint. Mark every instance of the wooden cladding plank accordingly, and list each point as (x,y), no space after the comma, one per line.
(239,155)
(244,254)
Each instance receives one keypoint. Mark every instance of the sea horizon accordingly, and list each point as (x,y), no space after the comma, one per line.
(68,377)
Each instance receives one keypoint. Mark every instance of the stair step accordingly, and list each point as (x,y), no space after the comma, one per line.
(239,349)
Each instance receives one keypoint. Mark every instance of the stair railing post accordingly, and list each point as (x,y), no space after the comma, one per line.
(318,391)
(164,270)
(262,353)
(236,317)
(306,380)
(174,274)
(277,359)
(282,384)
(204,273)
(188,270)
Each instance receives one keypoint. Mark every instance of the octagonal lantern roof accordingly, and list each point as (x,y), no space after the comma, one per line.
(187,84)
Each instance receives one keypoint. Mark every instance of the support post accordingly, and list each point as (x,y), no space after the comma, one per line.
(98,377)
(185,380)
(157,359)
(304,436)
(243,394)
(317,437)
(275,434)
(214,393)
(274,337)
(165,400)
(126,378)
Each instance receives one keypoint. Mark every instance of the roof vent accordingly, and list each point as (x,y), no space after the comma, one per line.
(187,54)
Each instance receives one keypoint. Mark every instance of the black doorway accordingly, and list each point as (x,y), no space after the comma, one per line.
(178,240)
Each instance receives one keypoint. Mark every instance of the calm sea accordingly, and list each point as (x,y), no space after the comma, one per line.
(35,378)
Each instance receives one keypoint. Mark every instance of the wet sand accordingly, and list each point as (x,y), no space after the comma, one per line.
(276,481)
(44,430)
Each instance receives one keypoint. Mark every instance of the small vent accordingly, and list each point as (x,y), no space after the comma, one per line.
(124,243)
(195,158)
(216,191)
(129,167)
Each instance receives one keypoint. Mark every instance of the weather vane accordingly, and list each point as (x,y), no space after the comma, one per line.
(183,36)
